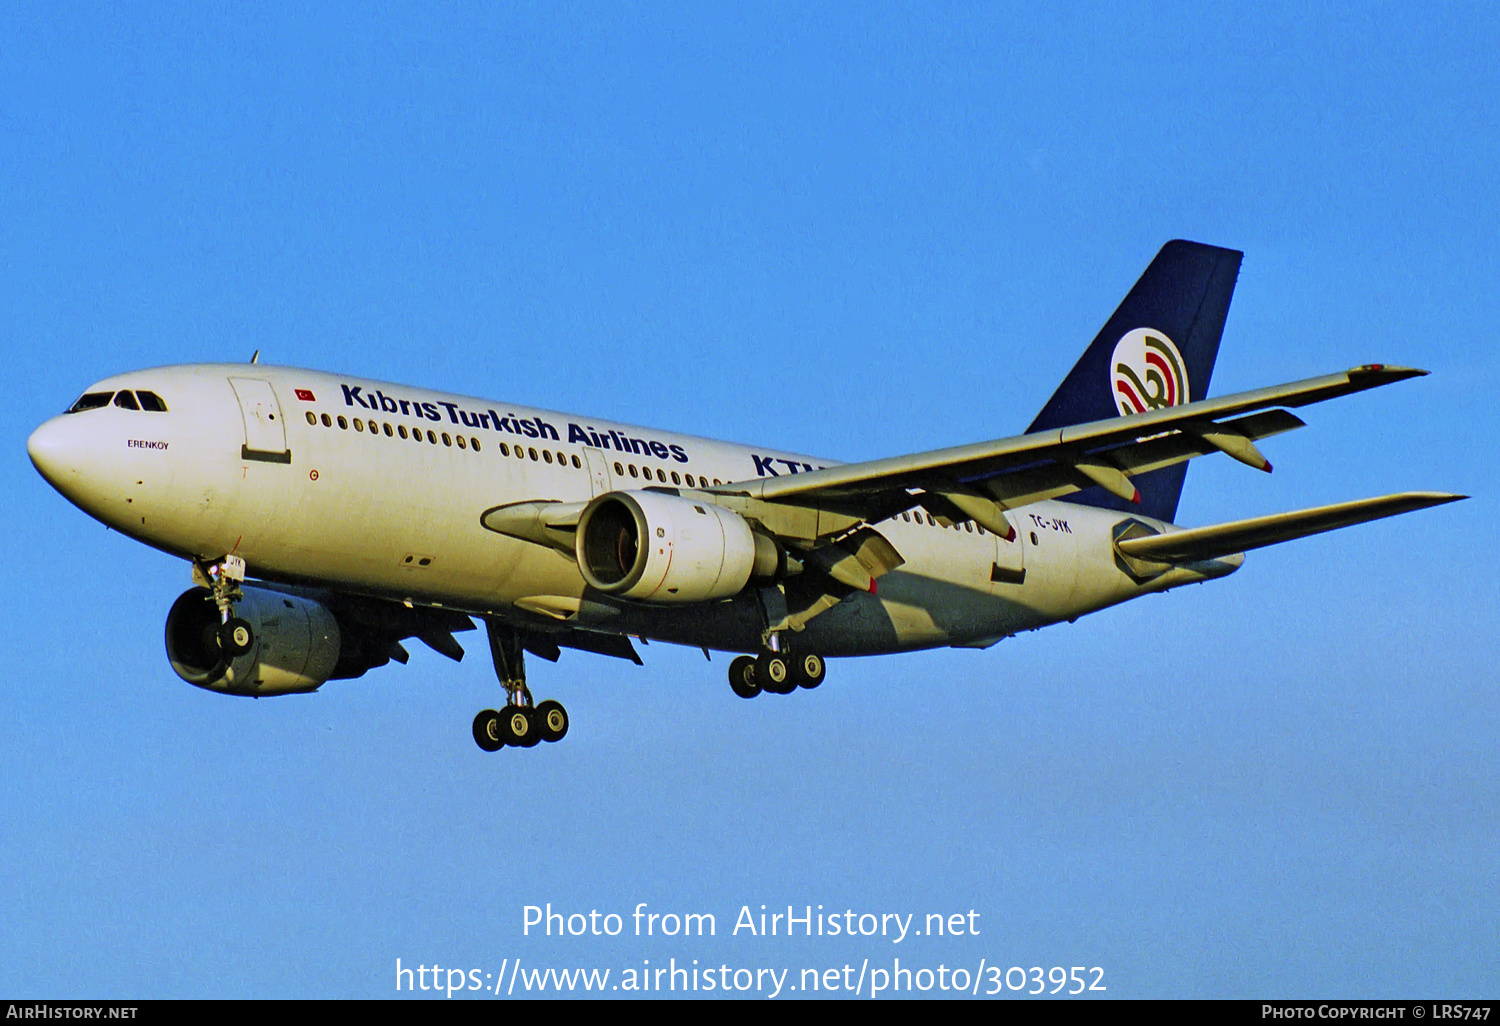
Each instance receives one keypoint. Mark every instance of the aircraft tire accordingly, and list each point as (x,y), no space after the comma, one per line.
(236,637)
(742,678)
(520,727)
(488,731)
(774,673)
(551,720)
(809,670)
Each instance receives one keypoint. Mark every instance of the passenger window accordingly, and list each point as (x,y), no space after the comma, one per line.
(619,470)
(633,471)
(387,430)
(547,456)
(447,441)
(327,420)
(476,443)
(675,478)
(359,425)
(432,437)
(126,401)
(461,443)
(533,454)
(312,418)
(91,401)
(577,465)
(343,424)
(504,449)
(401,430)
(151,402)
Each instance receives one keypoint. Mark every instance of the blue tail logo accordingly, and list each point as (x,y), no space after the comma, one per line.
(1156,350)
(1149,372)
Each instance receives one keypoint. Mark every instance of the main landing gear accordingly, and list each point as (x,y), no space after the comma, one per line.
(780,673)
(522,723)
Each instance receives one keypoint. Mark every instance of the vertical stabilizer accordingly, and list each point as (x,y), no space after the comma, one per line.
(1158,349)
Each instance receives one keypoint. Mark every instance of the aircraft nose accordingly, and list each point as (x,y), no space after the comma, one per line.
(48,448)
(61,450)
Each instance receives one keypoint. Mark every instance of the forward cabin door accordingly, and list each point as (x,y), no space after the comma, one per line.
(265,431)
(598,470)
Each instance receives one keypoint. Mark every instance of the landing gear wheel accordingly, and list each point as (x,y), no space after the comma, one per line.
(774,673)
(488,731)
(742,678)
(809,669)
(551,720)
(236,637)
(519,727)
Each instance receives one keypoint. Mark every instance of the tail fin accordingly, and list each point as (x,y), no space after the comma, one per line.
(1158,349)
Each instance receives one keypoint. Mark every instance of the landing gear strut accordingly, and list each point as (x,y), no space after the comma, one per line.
(235,636)
(522,723)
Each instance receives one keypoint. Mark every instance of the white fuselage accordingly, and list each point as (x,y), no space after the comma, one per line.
(308,478)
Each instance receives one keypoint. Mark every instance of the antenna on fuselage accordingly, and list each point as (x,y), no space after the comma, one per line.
(256,357)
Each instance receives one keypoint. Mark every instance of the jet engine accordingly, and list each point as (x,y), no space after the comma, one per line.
(655,547)
(295,644)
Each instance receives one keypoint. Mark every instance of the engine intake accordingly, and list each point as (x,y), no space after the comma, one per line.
(295,648)
(654,547)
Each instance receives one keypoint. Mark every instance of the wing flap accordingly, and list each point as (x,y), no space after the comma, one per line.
(1201,543)
(941,469)
(1051,479)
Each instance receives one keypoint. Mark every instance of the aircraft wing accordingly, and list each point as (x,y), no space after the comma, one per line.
(1201,543)
(980,480)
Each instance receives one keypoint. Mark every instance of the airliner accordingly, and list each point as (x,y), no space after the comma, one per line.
(329,518)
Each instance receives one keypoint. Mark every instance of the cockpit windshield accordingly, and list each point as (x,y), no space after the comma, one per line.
(91,401)
(137,400)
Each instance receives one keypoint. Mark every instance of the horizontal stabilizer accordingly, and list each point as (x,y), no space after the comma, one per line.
(1200,543)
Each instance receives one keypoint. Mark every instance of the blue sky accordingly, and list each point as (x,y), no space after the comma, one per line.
(851,231)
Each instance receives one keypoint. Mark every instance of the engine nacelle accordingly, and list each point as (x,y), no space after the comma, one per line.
(654,547)
(295,648)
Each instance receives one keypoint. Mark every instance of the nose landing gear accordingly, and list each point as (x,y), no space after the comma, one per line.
(235,636)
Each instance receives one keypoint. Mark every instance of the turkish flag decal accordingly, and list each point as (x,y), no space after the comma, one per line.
(305,395)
